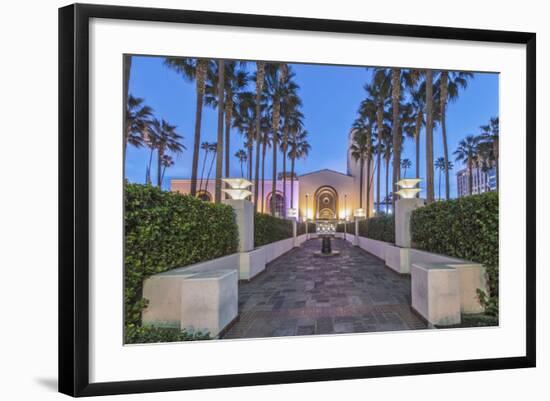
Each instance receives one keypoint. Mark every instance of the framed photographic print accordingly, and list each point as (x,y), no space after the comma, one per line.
(250,199)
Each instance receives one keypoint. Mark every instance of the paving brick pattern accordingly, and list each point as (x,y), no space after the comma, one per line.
(300,294)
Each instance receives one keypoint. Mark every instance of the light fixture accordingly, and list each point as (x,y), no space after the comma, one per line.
(407,187)
(238,188)
(237,183)
(237,193)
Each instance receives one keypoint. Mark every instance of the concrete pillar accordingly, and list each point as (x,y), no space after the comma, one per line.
(356,237)
(294,232)
(403,210)
(244,216)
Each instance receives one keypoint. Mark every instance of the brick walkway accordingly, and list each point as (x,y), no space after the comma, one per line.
(300,294)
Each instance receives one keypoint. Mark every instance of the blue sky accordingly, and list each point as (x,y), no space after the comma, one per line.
(330,95)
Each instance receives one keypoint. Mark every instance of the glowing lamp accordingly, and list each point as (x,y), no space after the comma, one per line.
(237,193)
(408,182)
(408,193)
(407,187)
(237,183)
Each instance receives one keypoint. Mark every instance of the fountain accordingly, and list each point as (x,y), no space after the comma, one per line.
(326,231)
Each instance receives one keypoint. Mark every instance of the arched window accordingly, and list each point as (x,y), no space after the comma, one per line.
(204,196)
(279,205)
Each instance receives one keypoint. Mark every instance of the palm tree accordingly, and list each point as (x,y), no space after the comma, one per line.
(193,69)
(275,76)
(485,157)
(429,136)
(292,118)
(206,147)
(127,66)
(235,83)
(260,74)
(418,102)
(167,161)
(166,139)
(405,165)
(298,148)
(490,134)
(244,120)
(365,122)
(359,151)
(449,85)
(387,150)
(219,149)
(213,149)
(467,151)
(242,157)
(440,166)
(138,120)
(379,91)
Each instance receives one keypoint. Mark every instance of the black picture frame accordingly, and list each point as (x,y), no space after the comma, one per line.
(74,198)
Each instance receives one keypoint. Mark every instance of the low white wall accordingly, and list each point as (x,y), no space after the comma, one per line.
(397,258)
(251,263)
(377,248)
(435,293)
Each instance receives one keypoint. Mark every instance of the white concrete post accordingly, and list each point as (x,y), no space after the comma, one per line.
(294,232)
(356,238)
(403,211)
(244,217)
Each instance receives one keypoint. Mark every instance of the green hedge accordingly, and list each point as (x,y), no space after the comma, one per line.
(381,228)
(301,229)
(465,228)
(164,230)
(149,334)
(268,229)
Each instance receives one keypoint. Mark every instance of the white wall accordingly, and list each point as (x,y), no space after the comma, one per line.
(28,87)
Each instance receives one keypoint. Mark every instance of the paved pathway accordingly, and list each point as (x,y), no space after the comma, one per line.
(300,294)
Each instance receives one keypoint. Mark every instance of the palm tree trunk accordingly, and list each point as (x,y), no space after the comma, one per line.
(443,103)
(378,182)
(201,76)
(250,155)
(429,138)
(369,159)
(418,127)
(439,186)
(285,141)
(276,111)
(148,174)
(396,133)
(219,151)
(228,112)
(159,167)
(259,87)
(362,166)
(264,149)
(209,172)
(387,183)
(470,177)
(203,166)
(292,182)
(495,152)
(127,62)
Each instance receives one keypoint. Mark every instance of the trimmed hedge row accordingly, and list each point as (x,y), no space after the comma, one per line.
(301,229)
(164,230)
(268,229)
(381,228)
(465,228)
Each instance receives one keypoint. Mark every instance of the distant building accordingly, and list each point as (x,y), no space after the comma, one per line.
(323,194)
(482,181)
